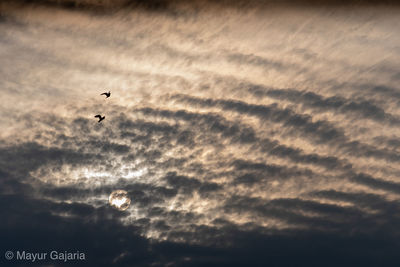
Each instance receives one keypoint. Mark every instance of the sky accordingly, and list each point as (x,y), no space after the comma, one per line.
(246,133)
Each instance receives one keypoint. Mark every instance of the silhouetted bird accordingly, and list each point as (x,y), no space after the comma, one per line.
(100,117)
(106,94)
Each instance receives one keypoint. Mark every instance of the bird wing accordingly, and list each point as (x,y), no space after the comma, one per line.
(98,116)
(103,94)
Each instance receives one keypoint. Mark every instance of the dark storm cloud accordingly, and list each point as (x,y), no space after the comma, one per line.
(151,5)
(45,231)
(163,5)
(11,184)
(150,198)
(253,248)
(247,247)
(34,155)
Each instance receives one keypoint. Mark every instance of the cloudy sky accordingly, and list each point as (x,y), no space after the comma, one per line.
(247,133)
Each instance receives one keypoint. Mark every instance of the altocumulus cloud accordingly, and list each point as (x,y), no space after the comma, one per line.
(247,133)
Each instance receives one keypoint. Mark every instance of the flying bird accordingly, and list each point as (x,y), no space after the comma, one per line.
(107,94)
(100,117)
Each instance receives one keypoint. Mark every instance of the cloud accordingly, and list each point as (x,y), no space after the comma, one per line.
(246,133)
(360,108)
(319,131)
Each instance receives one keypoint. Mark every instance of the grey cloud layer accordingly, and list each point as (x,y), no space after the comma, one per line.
(236,149)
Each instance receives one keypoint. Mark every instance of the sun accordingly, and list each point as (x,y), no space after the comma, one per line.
(119,199)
